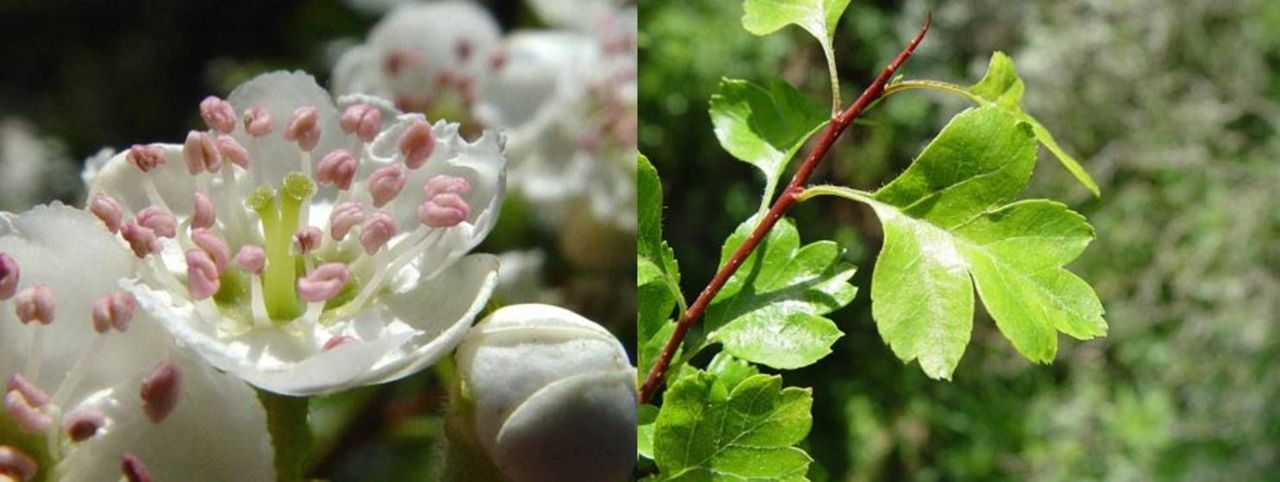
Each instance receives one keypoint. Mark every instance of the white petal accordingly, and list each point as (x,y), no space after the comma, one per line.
(280,93)
(396,337)
(581,428)
(216,432)
(127,183)
(432,32)
(577,14)
(71,252)
(359,70)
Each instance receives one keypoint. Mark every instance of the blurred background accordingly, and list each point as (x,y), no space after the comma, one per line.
(1173,108)
(83,76)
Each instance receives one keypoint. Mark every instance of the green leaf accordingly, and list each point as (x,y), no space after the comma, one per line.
(707,432)
(818,17)
(648,415)
(1002,87)
(764,126)
(657,273)
(947,219)
(769,312)
(731,371)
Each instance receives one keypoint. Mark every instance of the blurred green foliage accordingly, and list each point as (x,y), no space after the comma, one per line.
(1172,106)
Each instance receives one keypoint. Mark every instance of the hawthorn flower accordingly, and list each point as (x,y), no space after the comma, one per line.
(35,168)
(91,384)
(551,396)
(427,57)
(583,15)
(567,101)
(307,248)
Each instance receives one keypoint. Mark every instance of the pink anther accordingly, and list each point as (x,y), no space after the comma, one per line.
(159,221)
(324,283)
(443,184)
(376,231)
(35,304)
(334,342)
(202,275)
(337,168)
(201,153)
(83,424)
(202,216)
(363,120)
(443,211)
(213,246)
(385,183)
(251,258)
(344,217)
(161,391)
(133,469)
(9,274)
(218,114)
(307,240)
(417,144)
(147,157)
(113,309)
(257,121)
(304,128)
(17,464)
(233,151)
(401,59)
(107,209)
(141,239)
(28,417)
(33,394)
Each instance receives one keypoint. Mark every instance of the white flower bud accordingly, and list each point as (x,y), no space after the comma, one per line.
(552,395)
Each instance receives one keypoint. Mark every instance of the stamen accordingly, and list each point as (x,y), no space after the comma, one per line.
(160,391)
(344,217)
(338,168)
(462,49)
(376,231)
(9,274)
(203,216)
(133,469)
(33,394)
(231,149)
(212,246)
(324,283)
(336,341)
(158,220)
(147,157)
(446,184)
(113,309)
(304,128)
(251,258)
(257,122)
(384,184)
(83,424)
(17,464)
(201,153)
(443,211)
(417,144)
(307,240)
(363,120)
(35,304)
(142,240)
(107,209)
(202,275)
(218,114)
(30,419)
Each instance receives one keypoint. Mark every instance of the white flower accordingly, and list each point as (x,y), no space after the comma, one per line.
(552,393)
(584,15)
(427,57)
(74,395)
(568,103)
(32,169)
(304,249)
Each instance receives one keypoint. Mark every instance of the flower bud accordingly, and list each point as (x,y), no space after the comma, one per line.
(552,396)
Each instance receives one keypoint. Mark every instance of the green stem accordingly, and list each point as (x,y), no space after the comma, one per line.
(290,434)
(932,85)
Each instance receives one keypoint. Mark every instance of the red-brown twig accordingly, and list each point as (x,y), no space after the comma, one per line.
(780,207)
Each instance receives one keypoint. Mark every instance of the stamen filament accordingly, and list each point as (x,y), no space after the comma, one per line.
(32,370)
(257,304)
(77,371)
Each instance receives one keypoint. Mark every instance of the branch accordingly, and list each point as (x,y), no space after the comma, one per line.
(780,207)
